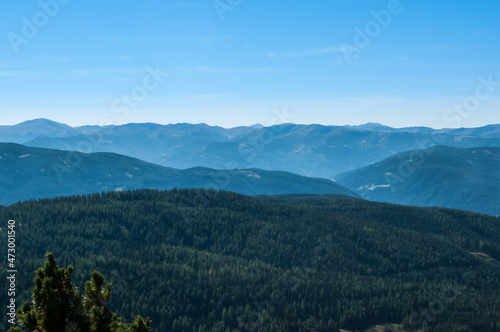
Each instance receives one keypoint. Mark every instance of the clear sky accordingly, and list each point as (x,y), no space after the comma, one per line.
(240,62)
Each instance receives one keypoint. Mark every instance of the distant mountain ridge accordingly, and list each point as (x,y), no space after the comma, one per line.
(491,131)
(33,173)
(32,129)
(466,179)
(352,155)
(309,150)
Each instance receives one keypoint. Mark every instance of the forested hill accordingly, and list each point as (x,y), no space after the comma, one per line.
(465,179)
(196,260)
(34,173)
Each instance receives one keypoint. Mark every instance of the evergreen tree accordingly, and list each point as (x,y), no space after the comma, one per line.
(58,306)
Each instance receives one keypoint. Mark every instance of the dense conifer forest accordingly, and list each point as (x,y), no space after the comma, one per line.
(201,260)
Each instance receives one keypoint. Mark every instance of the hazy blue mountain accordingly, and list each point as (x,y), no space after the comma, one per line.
(467,179)
(29,130)
(30,173)
(486,131)
(373,127)
(148,141)
(309,150)
(489,131)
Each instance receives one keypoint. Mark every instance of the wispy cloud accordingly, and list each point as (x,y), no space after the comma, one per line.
(123,57)
(305,53)
(22,73)
(53,59)
(213,37)
(116,38)
(104,71)
(185,3)
(224,70)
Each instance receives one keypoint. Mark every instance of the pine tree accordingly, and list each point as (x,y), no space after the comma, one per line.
(57,305)
(55,300)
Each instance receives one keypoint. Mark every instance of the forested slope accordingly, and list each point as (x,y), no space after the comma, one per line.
(195,260)
(34,173)
(465,179)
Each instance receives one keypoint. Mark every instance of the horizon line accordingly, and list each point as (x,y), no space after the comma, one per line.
(256,125)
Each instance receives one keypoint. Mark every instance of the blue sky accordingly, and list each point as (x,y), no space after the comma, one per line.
(233,62)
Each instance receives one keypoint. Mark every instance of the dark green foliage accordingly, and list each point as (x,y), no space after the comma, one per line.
(141,325)
(55,300)
(196,260)
(15,329)
(58,307)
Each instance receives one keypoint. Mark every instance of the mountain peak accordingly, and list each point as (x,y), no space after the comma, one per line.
(372,126)
(31,129)
(41,122)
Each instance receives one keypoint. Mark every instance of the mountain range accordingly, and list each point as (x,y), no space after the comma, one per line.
(32,173)
(466,179)
(32,129)
(309,150)
(485,131)
(455,168)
